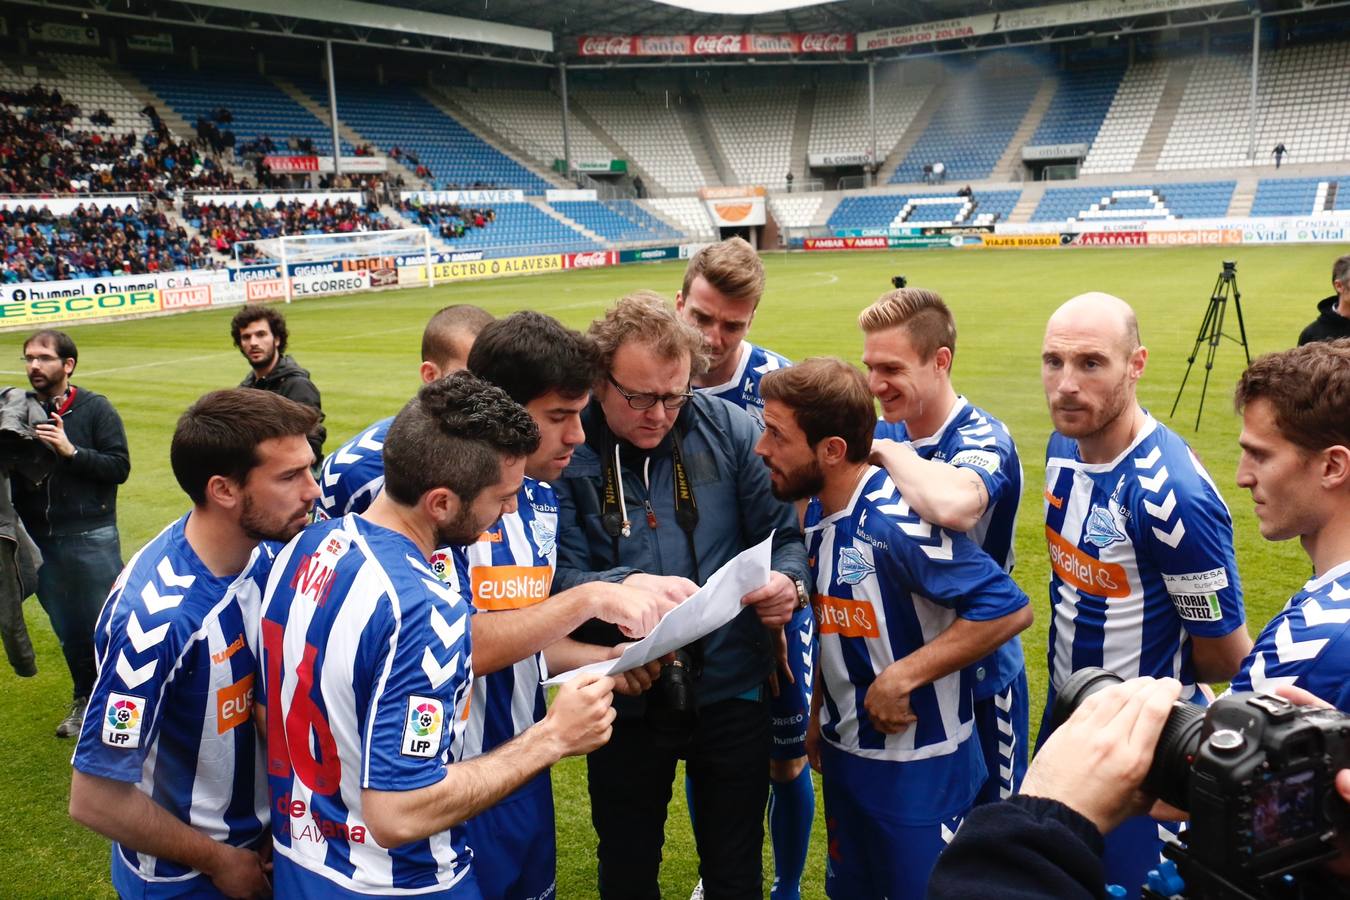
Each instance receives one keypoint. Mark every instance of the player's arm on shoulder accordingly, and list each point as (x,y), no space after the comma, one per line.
(118,810)
(578,721)
(952,496)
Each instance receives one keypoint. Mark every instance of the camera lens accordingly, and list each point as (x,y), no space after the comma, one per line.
(1170,772)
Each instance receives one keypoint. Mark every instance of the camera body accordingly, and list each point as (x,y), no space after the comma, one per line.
(899,281)
(1255,772)
(1262,798)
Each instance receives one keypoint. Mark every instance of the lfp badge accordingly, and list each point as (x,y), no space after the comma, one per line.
(422,730)
(122,721)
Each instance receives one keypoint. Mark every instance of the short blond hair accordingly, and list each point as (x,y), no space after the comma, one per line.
(644,317)
(731,267)
(921,312)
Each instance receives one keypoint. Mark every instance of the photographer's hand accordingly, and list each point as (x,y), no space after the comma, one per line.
(1096,762)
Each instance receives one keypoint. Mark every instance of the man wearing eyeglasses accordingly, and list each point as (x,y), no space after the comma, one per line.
(665,490)
(72,514)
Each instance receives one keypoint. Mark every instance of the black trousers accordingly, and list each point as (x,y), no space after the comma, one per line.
(630,784)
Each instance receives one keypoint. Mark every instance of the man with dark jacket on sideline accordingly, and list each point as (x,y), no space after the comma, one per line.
(72,514)
(1333,313)
(260,334)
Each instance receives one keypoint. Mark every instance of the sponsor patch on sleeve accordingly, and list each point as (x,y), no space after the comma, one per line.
(978,459)
(422,728)
(1196,582)
(1198,607)
(122,721)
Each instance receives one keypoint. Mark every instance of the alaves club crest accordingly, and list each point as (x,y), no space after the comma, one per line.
(852,568)
(1101,528)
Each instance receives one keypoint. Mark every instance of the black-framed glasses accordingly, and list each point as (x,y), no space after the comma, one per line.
(29,360)
(647,401)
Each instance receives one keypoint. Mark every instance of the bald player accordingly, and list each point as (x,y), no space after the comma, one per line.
(354,473)
(1143,580)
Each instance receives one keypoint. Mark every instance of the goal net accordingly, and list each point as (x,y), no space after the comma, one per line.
(376,249)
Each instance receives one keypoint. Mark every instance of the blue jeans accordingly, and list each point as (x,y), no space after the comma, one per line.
(77,572)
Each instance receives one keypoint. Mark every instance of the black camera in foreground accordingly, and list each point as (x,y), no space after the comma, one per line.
(1256,773)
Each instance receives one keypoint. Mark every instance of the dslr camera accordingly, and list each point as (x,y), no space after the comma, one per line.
(1256,773)
(672,703)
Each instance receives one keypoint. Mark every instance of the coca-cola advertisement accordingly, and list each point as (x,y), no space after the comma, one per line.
(593,259)
(713,44)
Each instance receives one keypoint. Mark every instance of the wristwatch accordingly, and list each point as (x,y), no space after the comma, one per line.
(803,595)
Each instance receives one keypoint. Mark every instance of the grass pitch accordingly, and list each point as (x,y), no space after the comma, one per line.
(363,353)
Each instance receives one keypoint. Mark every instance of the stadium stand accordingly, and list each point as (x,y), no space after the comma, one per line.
(1192,200)
(533,121)
(1300,103)
(840,122)
(1127,122)
(913,210)
(972,129)
(444,220)
(224,225)
(1079,106)
(1291,196)
(260,109)
(616,221)
(794,211)
(399,116)
(521,227)
(754,127)
(82,80)
(93,241)
(651,131)
(689,212)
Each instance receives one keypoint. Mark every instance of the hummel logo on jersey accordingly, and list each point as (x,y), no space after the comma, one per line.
(545,538)
(1101,528)
(852,568)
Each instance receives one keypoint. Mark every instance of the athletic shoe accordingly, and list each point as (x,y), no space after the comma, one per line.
(698,891)
(70,725)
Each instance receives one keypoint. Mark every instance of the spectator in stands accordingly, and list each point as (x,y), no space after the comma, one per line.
(1279,153)
(788,179)
(101,118)
(928,173)
(260,334)
(1333,313)
(966,192)
(638,187)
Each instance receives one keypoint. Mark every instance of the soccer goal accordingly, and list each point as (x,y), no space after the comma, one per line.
(376,250)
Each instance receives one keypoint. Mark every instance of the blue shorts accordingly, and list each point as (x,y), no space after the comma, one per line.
(514,845)
(790,710)
(1134,847)
(1001,727)
(130,886)
(292,880)
(873,849)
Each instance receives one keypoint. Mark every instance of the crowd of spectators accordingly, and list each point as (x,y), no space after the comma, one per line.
(449,220)
(43,150)
(222,226)
(90,242)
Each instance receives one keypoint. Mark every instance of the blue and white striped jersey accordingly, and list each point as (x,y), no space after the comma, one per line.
(742,388)
(973,439)
(172,709)
(1141,559)
(886,583)
(1308,644)
(366,665)
(509,567)
(353,474)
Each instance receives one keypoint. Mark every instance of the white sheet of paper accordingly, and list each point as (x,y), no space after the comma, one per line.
(712,606)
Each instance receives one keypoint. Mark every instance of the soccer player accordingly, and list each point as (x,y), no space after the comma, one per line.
(904,608)
(723,284)
(367,666)
(549,370)
(353,474)
(1296,462)
(957,466)
(1143,580)
(168,764)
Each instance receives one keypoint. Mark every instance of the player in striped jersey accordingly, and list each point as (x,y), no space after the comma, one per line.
(957,466)
(168,764)
(353,474)
(1143,578)
(548,369)
(367,666)
(723,284)
(904,609)
(1296,463)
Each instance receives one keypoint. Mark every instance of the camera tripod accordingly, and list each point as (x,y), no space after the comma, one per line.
(1211,332)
